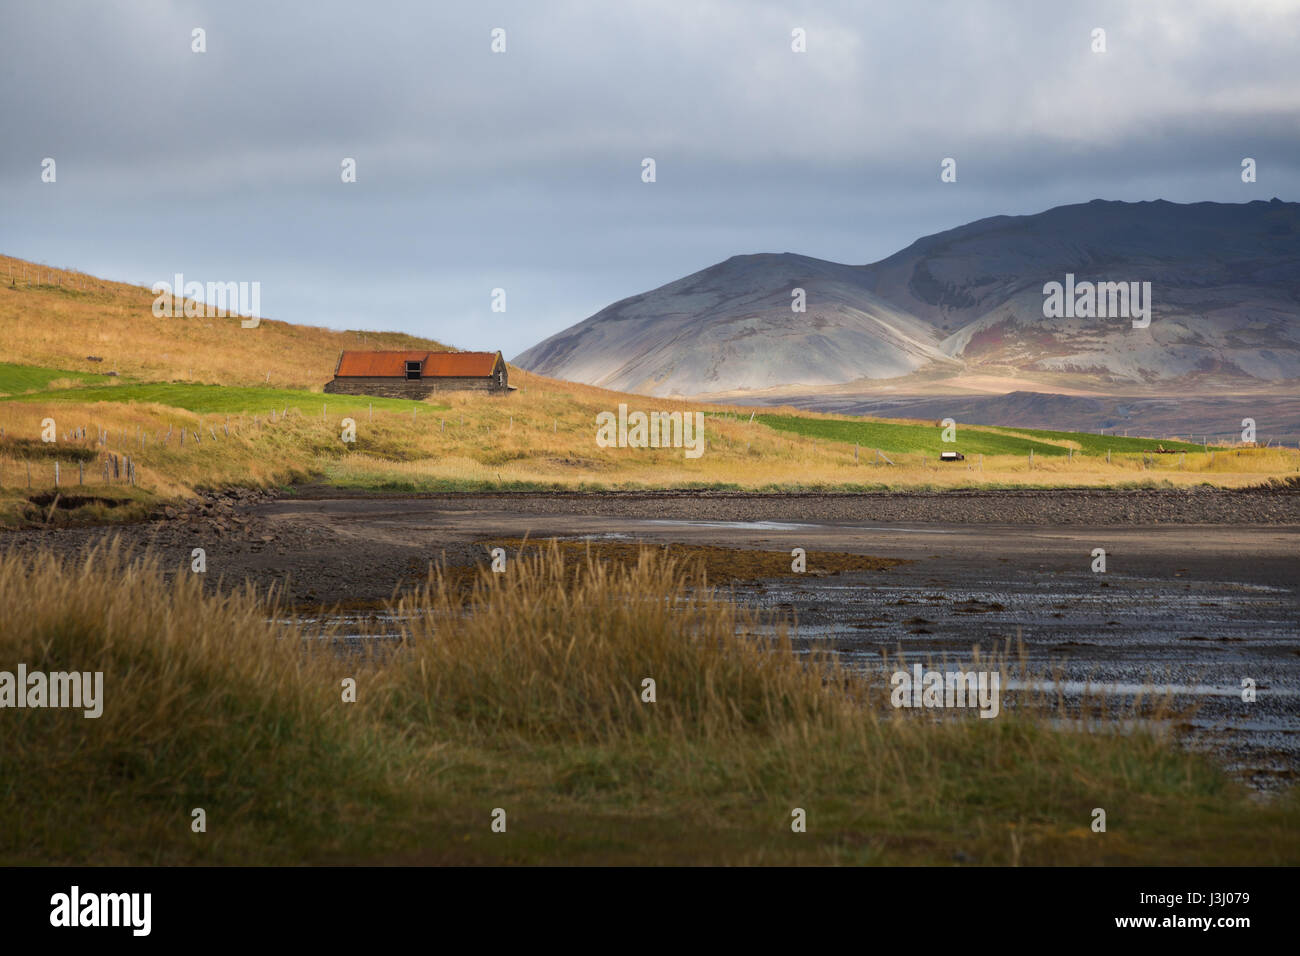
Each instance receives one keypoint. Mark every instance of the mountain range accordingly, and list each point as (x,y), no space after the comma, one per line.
(963,310)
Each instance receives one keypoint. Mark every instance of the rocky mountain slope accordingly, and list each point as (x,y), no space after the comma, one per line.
(1225,295)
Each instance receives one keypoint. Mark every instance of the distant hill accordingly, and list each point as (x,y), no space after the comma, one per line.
(731,326)
(1225,286)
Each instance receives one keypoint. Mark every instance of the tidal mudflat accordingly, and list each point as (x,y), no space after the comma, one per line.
(1191,601)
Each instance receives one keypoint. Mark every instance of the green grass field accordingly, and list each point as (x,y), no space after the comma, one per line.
(890,437)
(17,379)
(1091,444)
(211,399)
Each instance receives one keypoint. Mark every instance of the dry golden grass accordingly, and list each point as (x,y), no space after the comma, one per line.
(544,435)
(245,456)
(718,565)
(541,436)
(530,698)
(57,317)
(554,654)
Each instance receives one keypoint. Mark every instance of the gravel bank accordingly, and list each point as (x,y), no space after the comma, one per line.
(360,547)
(1094,507)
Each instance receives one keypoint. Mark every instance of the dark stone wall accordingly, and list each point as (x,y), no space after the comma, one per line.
(401,388)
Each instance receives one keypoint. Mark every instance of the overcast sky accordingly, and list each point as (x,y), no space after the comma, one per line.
(522,170)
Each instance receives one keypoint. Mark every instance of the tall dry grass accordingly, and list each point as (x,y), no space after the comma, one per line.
(528,696)
(557,652)
(206,705)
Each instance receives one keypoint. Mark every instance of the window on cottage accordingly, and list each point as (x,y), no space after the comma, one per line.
(413,371)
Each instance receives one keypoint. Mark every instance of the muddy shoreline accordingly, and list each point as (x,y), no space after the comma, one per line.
(324,547)
(1201,586)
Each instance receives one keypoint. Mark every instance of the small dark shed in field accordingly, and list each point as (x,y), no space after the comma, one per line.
(417,374)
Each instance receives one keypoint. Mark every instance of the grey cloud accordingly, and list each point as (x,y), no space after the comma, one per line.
(523,170)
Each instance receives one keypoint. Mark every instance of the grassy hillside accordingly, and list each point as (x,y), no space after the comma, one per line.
(541,437)
(204,378)
(18,379)
(55,318)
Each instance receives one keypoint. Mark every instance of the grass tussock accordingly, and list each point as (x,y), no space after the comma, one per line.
(205,706)
(557,648)
(716,565)
(528,696)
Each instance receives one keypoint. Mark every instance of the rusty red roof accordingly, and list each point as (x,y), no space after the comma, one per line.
(435,364)
(377,363)
(460,363)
